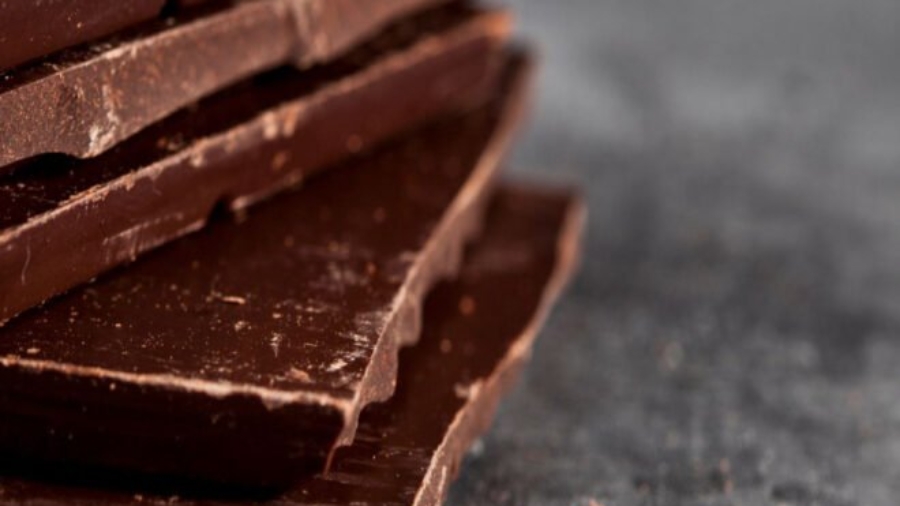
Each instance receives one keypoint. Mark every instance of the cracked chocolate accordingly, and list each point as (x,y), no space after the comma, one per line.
(244,353)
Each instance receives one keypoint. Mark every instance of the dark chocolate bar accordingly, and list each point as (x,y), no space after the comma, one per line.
(64,221)
(276,329)
(477,334)
(83,102)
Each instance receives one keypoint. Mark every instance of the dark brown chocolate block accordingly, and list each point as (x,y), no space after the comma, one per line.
(64,221)
(274,330)
(477,334)
(30,29)
(83,102)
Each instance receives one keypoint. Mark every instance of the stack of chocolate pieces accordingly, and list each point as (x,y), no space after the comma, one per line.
(259,250)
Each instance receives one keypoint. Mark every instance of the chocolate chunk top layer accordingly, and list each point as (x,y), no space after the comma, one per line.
(84,101)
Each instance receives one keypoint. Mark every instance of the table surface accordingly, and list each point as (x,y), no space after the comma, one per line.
(733,335)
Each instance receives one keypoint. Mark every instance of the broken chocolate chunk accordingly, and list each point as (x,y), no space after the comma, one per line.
(477,335)
(408,450)
(274,330)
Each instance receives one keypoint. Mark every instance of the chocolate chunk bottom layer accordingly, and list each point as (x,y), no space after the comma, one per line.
(245,352)
(29,30)
(477,335)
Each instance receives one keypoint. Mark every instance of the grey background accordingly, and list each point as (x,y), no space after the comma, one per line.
(733,337)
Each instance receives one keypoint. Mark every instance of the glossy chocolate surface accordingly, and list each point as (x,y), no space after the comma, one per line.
(63,221)
(477,334)
(277,328)
(85,101)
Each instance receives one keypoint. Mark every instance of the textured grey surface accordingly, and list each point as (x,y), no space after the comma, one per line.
(734,335)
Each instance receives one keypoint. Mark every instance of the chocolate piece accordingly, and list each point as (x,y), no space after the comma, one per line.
(31,29)
(84,102)
(64,221)
(276,330)
(478,331)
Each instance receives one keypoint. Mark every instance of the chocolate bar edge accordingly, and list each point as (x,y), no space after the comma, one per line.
(475,418)
(405,325)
